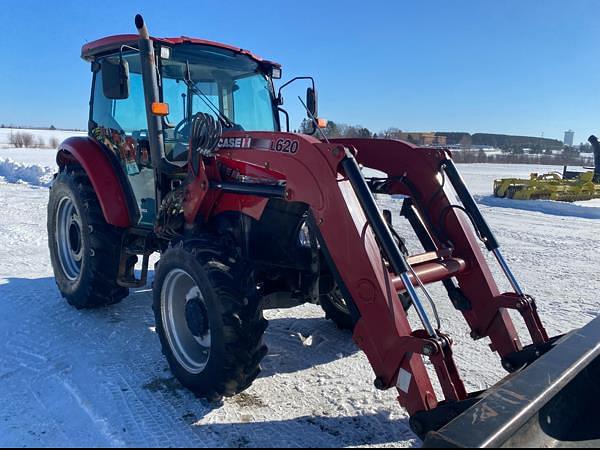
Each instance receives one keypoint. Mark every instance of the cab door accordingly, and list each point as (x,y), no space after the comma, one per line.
(121,126)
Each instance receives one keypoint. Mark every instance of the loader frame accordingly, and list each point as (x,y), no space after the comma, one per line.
(326,177)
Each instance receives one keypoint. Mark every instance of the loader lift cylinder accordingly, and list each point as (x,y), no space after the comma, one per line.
(480,223)
(384,236)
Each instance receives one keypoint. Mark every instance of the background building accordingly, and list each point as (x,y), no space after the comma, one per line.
(569,138)
(419,138)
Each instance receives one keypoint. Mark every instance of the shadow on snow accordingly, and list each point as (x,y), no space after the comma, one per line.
(125,332)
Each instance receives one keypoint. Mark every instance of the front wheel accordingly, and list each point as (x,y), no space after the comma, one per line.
(337,310)
(210,329)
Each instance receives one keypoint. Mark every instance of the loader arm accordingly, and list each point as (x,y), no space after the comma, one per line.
(326,176)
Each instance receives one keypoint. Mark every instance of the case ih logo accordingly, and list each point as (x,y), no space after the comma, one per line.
(235,142)
(280,145)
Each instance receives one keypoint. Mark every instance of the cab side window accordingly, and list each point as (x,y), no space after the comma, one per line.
(121,126)
(127,115)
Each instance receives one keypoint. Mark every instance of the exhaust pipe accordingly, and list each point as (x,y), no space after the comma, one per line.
(151,94)
(596,146)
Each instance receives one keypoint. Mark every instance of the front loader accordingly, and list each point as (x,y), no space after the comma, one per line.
(186,157)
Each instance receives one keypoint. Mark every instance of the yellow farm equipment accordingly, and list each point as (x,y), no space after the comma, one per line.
(550,186)
(566,187)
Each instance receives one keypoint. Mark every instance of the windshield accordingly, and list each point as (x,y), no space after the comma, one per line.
(198,78)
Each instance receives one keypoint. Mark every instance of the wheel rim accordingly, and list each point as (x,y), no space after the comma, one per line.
(69,238)
(185,321)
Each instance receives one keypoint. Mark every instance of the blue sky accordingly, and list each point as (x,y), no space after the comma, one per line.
(511,66)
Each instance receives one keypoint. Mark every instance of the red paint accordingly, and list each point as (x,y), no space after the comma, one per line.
(432,272)
(246,204)
(312,177)
(113,43)
(421,165)
(89,155)
(249,170)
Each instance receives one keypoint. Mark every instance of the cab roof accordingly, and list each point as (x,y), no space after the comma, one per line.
(111,44)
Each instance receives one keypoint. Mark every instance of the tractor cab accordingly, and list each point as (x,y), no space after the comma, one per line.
(194,76)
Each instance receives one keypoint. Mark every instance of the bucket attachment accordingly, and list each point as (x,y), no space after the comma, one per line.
(551,403)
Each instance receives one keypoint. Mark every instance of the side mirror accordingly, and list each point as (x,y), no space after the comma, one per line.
(312,103)
(115,79)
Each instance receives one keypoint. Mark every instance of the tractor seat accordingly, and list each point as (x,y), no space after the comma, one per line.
(177,153)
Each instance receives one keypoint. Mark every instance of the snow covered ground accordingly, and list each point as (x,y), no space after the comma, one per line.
(70,378)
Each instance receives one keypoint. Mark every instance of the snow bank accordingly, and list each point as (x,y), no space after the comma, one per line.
(30,156)
(34,174)
(34,166)
(562,209)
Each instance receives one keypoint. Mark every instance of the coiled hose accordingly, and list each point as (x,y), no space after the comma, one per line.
(205,135)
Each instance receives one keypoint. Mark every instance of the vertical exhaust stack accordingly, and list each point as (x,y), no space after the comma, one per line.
(596,146)
(151,93)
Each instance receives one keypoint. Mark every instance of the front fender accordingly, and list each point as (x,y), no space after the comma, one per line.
(106,176)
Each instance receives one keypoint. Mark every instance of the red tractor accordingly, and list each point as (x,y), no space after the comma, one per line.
(186,157)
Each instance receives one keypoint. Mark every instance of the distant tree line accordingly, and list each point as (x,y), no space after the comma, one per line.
(22,139)
(515,149)
(338,130)
(567,157)
(51,128)
(502,141)
(536,145)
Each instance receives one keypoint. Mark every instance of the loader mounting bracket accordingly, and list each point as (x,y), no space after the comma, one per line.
(424,422)
(528,355)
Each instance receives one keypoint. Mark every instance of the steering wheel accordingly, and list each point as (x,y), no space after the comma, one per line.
(183,129)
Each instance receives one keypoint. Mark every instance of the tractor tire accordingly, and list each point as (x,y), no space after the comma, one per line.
(210,328)
(84,249)
(337,310)
(512,191)
(497,193)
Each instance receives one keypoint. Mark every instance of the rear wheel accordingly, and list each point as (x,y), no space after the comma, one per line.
(84,249)
(211,330)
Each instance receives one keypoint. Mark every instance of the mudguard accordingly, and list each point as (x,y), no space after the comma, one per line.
(107,177)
